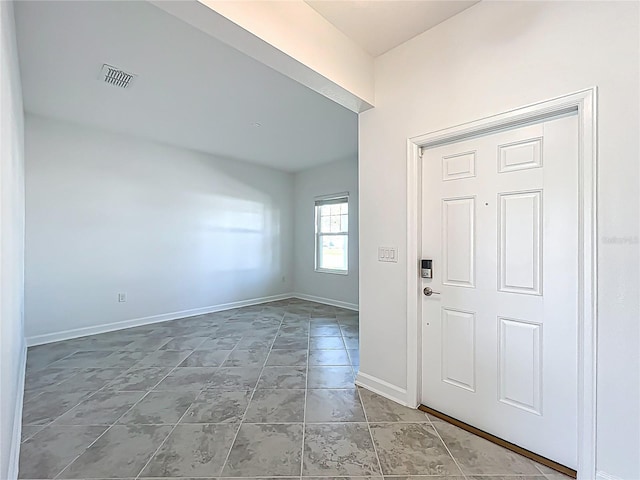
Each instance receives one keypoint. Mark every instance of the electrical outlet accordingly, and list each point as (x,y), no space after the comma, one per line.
(122,297)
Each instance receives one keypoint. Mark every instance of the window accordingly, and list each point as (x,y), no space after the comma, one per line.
(332,234)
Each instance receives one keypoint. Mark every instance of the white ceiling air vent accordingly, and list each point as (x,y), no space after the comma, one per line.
(116,77)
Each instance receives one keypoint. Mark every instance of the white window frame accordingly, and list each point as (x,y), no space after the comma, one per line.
(327,200)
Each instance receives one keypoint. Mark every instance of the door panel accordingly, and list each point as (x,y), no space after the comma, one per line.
(520,247)
(458,235)
(520,369)
(500,221)
(458,348)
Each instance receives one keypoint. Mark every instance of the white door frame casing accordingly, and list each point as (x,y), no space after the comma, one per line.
(585,104)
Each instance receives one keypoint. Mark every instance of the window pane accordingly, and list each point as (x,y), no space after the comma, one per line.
(335,223)
(344,208)
(325,210)
(333,252)
(325,224)
(344,223)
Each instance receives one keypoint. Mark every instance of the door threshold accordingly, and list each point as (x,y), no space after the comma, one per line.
(499,441)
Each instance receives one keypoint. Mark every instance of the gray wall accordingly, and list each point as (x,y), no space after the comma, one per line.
(12,346)
(491,58)
(176,230)
(336,177)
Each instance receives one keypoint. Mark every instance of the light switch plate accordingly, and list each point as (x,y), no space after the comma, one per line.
(388,254)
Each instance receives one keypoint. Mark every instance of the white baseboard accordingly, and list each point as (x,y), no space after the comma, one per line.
(136,322)
(606,476)
(16,440)
(387,390)
(326,301)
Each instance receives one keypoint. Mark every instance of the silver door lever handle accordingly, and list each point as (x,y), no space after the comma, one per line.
(428,292)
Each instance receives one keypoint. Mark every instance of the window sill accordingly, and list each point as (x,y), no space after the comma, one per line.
(334,272)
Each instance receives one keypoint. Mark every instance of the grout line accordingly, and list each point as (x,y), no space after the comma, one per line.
(373,442)
(99,436)
(447,448)
(306,392)
(185,412)
(306,315)
(164,440)
(102,389)
(224,464)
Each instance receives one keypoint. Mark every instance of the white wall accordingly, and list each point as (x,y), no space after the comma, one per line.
(336,177)
(491,58)
(12,346)
(176,230)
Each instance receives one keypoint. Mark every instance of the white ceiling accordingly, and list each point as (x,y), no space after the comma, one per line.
(191,91)
(380,25)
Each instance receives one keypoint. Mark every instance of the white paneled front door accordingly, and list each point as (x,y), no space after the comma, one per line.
(500,222)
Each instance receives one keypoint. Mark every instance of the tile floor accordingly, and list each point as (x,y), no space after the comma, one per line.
(261,391)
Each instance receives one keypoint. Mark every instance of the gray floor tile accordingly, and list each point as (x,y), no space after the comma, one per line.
(192,451)
(412,449)
(354,356)
(120,453)
(184,343)
(325,321)
(432,477)
(28,431)
(206,358)
(234,378)
(48,378)
(283,377)
(512,477)
(276,406)
(339,449)
(477,456)
(348,320)
(262,448)
(380,477)
(159,408)
(256,343)
(164,358)
(139,379)
(550,473)
(300,330)
(47,407)
(291,343)
(41,356)
(186,378)
(122,359)
(324,406)
(328,357)
(287,358)
(147,343)
(211,399)
(103,408)
(91,379)
(352,343)
(83,359)
(52,449)
(350,330)
(326,343)
(218,406)
(221,343)
(331,377)
(380,409)
(325,330)
(246,358)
